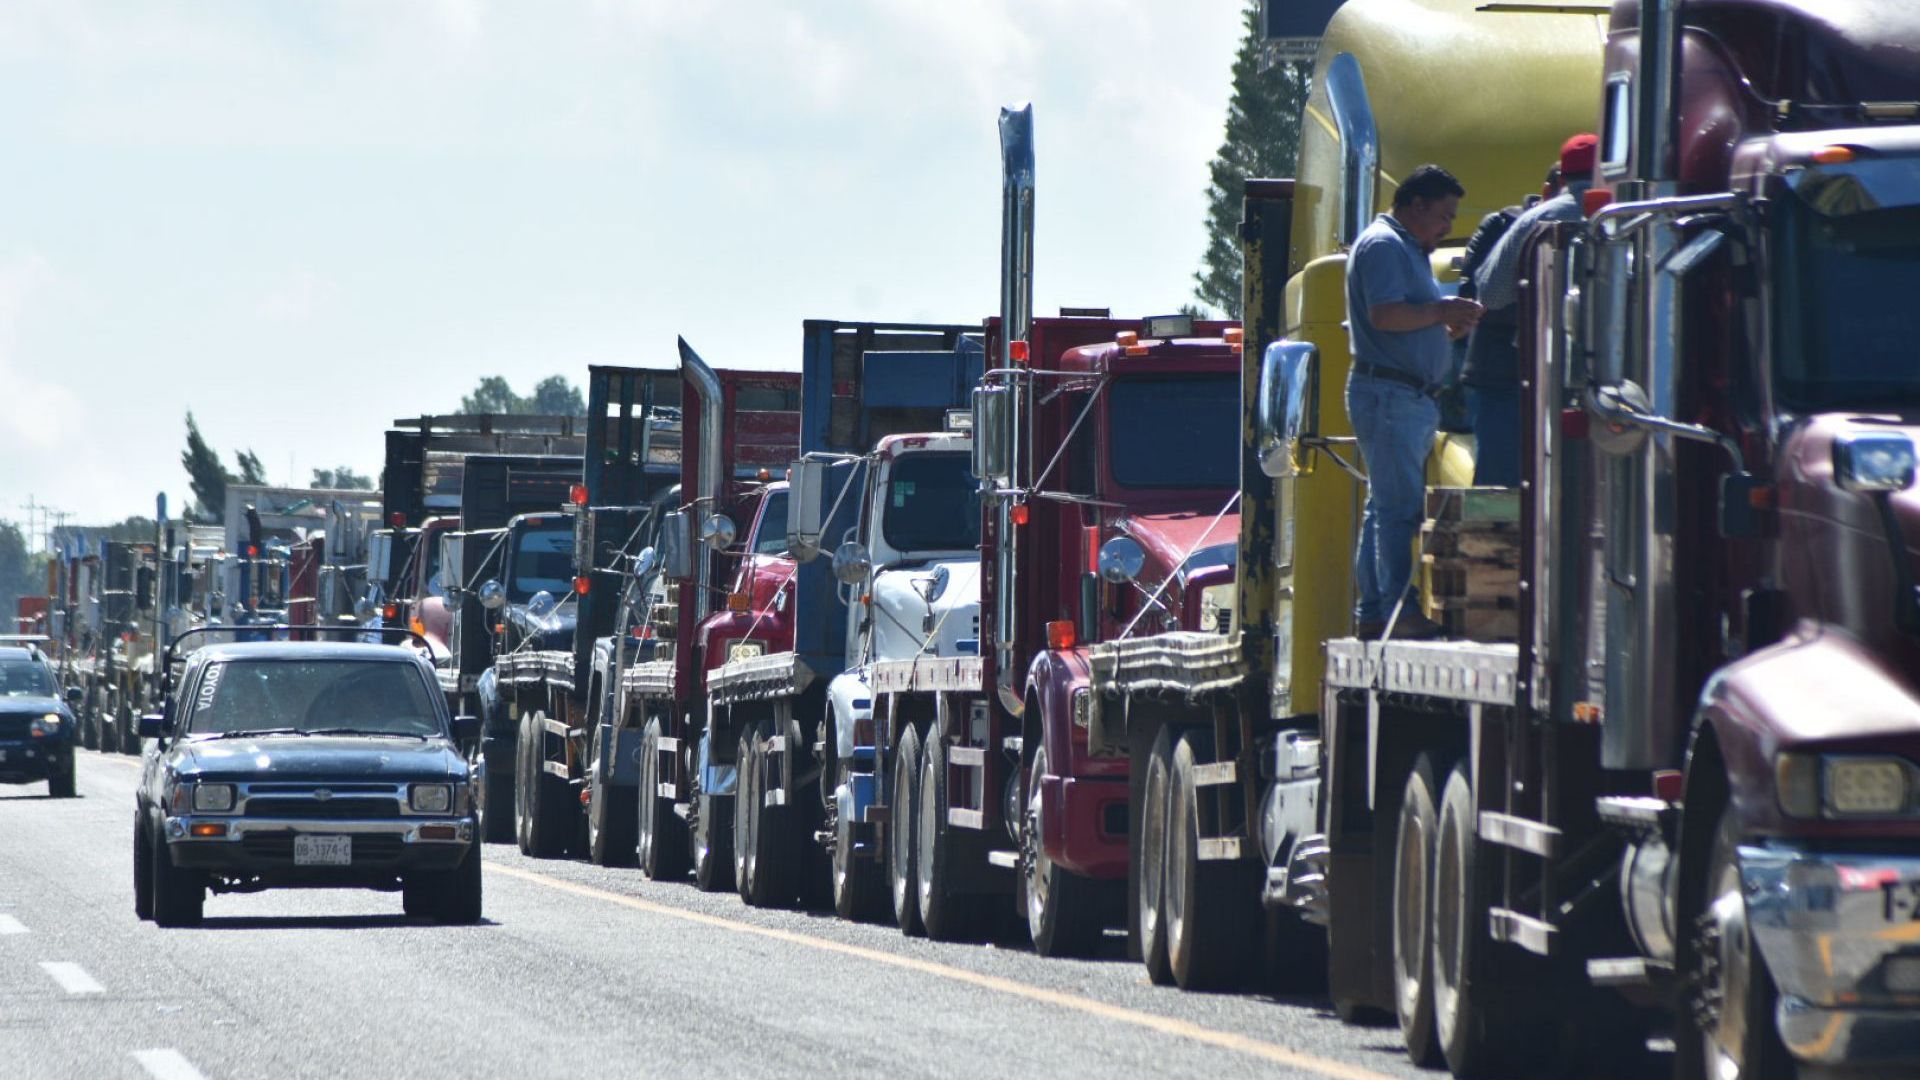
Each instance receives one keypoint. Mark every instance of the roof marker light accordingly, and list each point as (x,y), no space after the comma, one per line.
(1833,155)
(1234,335)
(577,494)
(1019,513)
(1017,351)
(582,584)
(1127,338)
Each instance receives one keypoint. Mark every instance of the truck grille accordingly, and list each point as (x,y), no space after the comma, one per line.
(335,809)
(15,727)
(368,850)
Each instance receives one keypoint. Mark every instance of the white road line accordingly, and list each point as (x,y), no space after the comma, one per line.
(11,925)
(71,977)
(167,1065)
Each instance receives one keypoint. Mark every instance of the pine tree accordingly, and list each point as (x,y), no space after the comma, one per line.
(1263,140)
(343,478)
(251,471)
(205,475)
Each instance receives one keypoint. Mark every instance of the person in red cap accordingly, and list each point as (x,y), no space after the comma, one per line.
(1495,386)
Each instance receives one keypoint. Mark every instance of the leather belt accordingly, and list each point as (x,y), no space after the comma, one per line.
(1395,375)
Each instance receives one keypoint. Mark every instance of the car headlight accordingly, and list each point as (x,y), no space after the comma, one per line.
(1812,785)
(212,798)
(430,798)
(45,726)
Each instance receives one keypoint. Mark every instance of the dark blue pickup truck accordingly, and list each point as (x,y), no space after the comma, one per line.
(37,730)
(298,764)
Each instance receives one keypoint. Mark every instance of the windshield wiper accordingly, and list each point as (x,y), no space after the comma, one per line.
(259,731)
(368,731)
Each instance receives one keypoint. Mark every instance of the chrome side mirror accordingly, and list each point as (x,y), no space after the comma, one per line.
(806,494)
(1873,461)
(493,595)
(676,545)
(1286,415)
(718,531)
(1121,560)
(992,424)
(851,563)
(646,562)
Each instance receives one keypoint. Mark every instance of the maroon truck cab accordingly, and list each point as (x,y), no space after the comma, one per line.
(758,617)
(1120,523)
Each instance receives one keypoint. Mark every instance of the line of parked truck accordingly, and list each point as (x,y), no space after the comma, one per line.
(1046,622)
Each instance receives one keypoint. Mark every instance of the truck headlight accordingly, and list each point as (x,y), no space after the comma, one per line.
(430,798)
(45,726)
(1813,785)
(212,798)
(1868,785)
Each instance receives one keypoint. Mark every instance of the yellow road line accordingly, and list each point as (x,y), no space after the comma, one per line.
(1224,1040)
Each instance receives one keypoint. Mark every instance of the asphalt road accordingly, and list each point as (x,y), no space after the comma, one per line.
(576,972)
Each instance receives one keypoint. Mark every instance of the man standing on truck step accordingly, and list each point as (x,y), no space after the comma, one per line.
(1493,367)
(1400,325)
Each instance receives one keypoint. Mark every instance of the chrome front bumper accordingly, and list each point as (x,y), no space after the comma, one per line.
(408,829)
(1840,932)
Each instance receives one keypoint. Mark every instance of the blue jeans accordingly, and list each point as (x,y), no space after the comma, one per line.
(1395,426)
(1496,435)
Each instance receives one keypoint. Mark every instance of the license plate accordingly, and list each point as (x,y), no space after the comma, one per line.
(322,850)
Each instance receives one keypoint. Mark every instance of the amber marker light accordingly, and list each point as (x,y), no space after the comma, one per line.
(739,602)
(209,828)
(1834,155)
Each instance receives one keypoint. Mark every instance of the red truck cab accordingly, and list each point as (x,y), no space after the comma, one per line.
(757,619)
(1121,522)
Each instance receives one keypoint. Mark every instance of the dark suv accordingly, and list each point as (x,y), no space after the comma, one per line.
(298,764)
(37,730)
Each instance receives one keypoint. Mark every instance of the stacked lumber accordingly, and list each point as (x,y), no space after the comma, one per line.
(1470,548)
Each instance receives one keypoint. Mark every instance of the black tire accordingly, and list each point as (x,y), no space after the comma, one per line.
(459,897)
(806,816)
(902,826)
(1151,894)
(497,824)
(89,728)
(1482,1026)
(662,842)
(129,729)
(859,882)
(1212,908)
(419,895)
(60,784)
(142,869)
(713,841)
(769,878)
(944,911)
(1413,913)
(179,896)
(745,796)
(1063,908)
(522,820)
(1726,1027)
(1293,954)
(613,818)
(550,811)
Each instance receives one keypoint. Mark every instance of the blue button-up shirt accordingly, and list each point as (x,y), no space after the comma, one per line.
(1388,266)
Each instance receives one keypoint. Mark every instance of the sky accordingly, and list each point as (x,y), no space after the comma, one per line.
(302,219)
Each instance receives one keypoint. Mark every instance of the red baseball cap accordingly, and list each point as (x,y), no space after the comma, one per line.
(1576,155)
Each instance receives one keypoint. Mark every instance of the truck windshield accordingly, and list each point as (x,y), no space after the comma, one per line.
(24,678)
(1174,431)
(377,696)
(1845,304)
(932,503)
(542,561)
(770,536)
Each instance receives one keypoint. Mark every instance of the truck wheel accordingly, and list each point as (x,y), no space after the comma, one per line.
(902,876)
(1210,908)
(60,781)
(1063,908)
(1727,1028)
(142,869)
(858,894)
(1414,914)
(1477,1026)
(89,729)
(611,820)
(713,842)
(662,842)
(1153,857)
(179,896)
(744,798)
(419,893)
(943,910)
(550,808)
(807,815)
(767,875)
(522,809)
(458,897)
(497,825)
(129,729)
